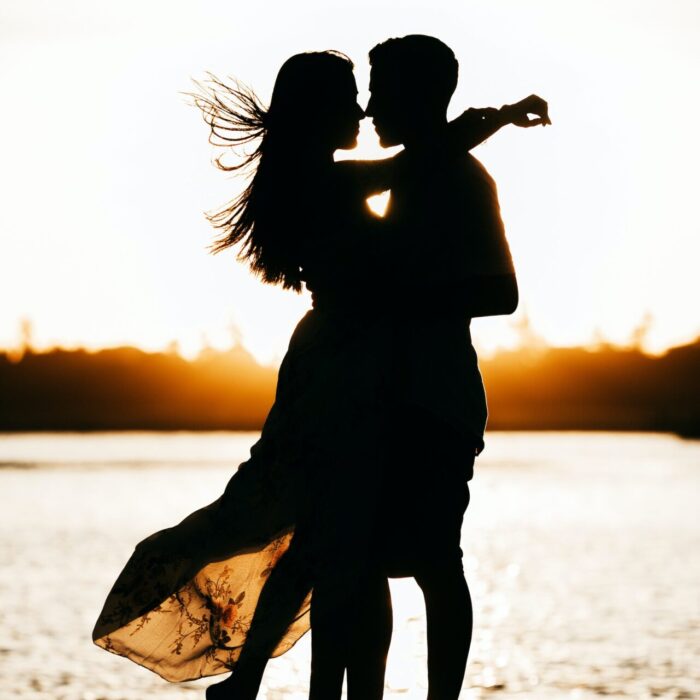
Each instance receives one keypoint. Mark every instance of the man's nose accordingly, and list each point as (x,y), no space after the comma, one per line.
(369,109)
(360,112)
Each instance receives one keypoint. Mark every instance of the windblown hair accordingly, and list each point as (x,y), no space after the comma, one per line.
(235,117)
(261,219)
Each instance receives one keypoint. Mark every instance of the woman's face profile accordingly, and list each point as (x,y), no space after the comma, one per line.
(343,112)
(314,103)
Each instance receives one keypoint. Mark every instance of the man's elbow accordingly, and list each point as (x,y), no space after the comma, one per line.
(494,295)
(511,295)
(504,295)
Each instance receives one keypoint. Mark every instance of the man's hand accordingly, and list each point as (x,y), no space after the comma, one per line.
(519,113)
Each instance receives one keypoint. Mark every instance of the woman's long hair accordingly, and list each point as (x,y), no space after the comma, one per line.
(262,218)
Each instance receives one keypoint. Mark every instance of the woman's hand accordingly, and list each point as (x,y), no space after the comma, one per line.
(519,113)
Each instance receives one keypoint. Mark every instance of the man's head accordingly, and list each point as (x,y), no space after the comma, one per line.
(411,83)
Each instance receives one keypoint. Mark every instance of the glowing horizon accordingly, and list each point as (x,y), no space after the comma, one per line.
(522,336)
(106,171)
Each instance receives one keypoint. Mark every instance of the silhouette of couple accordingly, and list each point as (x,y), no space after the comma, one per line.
(361,471)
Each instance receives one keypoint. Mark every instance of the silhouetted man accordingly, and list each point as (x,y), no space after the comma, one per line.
(452,262)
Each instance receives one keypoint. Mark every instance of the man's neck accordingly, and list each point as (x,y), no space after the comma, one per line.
(429,134)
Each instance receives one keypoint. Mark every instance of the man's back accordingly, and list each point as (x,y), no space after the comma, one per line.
(447,231)
(445,206)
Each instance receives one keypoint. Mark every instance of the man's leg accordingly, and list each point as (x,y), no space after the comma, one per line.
(370,641)
(330,628)
(440,575)
(436,467)
(449,619)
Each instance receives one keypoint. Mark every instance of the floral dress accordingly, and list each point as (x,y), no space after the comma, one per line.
(184,602)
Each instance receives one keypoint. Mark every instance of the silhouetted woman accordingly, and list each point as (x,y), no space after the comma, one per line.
(184,604)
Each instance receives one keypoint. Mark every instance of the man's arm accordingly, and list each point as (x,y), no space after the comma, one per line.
(479,295)
(484,295)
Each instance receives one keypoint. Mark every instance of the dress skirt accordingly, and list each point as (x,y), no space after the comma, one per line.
(183,604)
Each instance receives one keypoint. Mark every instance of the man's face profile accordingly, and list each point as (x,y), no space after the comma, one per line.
(387,107)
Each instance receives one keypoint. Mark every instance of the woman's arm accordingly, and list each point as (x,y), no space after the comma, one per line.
(471,128)
(368,177)
(476,125)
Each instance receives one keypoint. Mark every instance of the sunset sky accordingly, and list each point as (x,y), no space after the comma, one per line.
(105,171)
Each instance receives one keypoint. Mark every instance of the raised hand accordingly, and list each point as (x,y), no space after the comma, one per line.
(519,113)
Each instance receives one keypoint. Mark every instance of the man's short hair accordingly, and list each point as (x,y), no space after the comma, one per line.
(424,60)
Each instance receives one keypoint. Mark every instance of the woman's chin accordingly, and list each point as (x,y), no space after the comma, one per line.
(349,144)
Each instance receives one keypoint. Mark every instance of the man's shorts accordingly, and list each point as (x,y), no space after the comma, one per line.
(424,494)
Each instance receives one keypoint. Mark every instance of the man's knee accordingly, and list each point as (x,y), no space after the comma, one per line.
(440,572)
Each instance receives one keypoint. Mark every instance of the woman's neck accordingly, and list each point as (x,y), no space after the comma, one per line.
(316,157)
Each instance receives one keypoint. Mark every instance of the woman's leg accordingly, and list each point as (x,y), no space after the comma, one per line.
(280,600)
(370,641)
(449,619)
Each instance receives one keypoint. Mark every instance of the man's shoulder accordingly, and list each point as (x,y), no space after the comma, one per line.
(473,171)
(459,164)
(451,173)
(472,164)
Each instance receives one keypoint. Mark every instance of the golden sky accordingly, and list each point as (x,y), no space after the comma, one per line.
(105,171)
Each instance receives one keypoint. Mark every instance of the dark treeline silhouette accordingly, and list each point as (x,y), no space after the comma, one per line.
(604,389)
(126,388)
(529,389)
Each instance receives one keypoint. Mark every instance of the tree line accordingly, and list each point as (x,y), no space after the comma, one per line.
(528,389)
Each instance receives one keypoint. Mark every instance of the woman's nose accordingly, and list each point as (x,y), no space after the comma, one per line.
(360,112)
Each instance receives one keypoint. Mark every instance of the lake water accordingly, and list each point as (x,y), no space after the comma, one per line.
(582,552)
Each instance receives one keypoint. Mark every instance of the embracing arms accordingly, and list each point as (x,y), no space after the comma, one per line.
(467,131)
